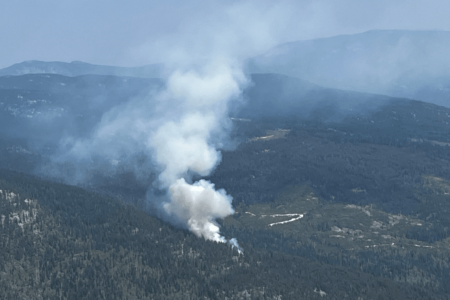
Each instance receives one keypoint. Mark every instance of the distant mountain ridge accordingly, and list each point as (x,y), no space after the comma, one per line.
(77,68)
(399,63)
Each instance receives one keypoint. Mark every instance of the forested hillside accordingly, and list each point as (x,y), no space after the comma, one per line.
(337,194)
(370,191)
(61,242)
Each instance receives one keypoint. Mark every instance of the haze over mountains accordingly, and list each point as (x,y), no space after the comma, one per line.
(399,63)
(77,68)
(338,191)
(44,108)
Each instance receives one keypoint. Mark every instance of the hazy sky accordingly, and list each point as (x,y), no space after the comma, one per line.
(138,32)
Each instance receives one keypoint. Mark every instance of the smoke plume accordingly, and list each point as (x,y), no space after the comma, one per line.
(198,205)
(187,144)
(180,128)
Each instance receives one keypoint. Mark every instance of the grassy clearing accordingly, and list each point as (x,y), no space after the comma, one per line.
(272,135)
(349,226)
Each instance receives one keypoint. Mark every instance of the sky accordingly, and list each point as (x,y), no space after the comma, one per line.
(138,32)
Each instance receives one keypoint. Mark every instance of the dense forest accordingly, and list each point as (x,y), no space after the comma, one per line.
(61,242)
(346,201)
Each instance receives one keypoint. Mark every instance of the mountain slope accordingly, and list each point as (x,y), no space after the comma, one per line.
(44,107)
(280,96)
(410,64)
(336,192)
(60,242)
(77,68)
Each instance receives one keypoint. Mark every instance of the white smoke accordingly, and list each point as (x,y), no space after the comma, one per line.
(234,244)
(183,126)
(185,145)
(198,205)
